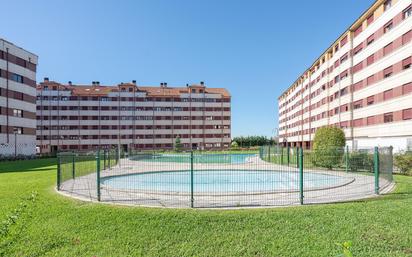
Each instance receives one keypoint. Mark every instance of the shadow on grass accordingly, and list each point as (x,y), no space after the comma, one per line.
(26,165)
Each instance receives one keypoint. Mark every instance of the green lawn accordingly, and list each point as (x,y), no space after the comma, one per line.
(53,225)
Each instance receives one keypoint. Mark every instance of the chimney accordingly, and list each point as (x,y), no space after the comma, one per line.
(161,84)
(46,79)
(165,84)
(134,82)
(70,83)
(202,83)
(93,82)
(97,82)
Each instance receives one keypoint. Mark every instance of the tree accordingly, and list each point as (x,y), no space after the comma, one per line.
(328,146)
(234,145)
(251,141)
(178,144)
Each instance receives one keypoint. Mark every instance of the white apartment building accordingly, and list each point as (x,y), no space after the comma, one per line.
(85,117)
(362,83)
(17,100)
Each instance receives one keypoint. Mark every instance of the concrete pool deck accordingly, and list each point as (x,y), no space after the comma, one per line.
(358,186)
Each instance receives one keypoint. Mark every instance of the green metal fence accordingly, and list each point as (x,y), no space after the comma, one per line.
(272,177)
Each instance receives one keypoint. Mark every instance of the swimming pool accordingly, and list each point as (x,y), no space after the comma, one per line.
(197,158)
(222,181)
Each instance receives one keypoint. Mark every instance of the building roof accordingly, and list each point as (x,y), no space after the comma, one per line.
(100,90)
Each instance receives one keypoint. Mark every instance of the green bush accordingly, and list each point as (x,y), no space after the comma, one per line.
(178,144)
(360,161)
(328,147)
(403,161)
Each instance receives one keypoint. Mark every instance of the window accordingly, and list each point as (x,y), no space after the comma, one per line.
(17,113)
(388,117)
(407,88)
(343,58)
(357,67)
(357,104)
(336,48)
(407,114)
(358,30)
(370,80)
(17,130)
(388,94)
(370,39)
(370,60)
(343,75)
(406,63)
(336,79)
(357,49)
(406,37)
(407,13)
(388,27)
(370,19)
(357,86)
(370,100)
(344,41)
(387,49)
(17,78)
(387,72)
(358,122)
(387,5)
(370,120)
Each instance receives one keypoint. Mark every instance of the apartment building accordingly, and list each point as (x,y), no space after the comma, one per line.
(85,117)
(362,83)
(17,100)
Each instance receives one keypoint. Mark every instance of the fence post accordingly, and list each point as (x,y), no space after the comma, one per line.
(73,166)
(347,159)
(98,174)
(301,175)
(58,172)
(269,153)
(191,180)
(376,169)
(288,157)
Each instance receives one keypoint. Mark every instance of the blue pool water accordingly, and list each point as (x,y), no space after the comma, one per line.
(222,181)
(197,158)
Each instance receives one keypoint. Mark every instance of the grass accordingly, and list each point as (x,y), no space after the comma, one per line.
(53,225)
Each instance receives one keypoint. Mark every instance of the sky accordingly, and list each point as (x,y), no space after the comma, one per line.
(254,48)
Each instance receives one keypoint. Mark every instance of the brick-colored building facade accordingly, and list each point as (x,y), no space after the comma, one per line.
(85,117)
(361,83)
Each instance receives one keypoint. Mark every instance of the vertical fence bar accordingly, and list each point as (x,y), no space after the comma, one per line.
(288,157)
(281,156)
(108,157)
(192,200)
(73,165)
(347,158)
(104,159)
(58,172)
(269,153)
(98,174)
(297,157)
(301,175)
(376,169)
